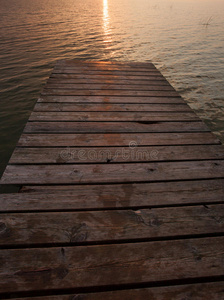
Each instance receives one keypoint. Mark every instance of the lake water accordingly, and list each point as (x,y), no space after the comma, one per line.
(183,38)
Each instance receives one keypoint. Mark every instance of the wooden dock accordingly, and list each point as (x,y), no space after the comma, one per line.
(121,192)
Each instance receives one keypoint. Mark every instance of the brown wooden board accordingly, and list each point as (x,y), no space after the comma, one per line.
(113,116)
(116,139)
(72,62)
(88,92)
(103,77)
(139,83)
(105,173)
(105,70)
(107,86)
(113,127)
(107,265)
(116,196)
(111,99)
(117,72)
(111,107)
(106,67)
(110,226)
(200,291)
(115,154)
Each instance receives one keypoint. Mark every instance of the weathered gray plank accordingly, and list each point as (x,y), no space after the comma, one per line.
(69,107)
(116,139)
(111,99)
(88,92)
(200,291)
(112,127)
(106,226)
(75,267)
(113,116)
(106,173)
(115,154)
(107,86)
(137,195)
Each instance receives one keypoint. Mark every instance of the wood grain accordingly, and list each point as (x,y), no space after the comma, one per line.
(102,67)
(105,173)
(136,195)
(116,139)
(158,81)
(72,62)
(111,99)
(105,66)
(88,92)
(111,107)
(113,116)
(75,267)
(107,86)
(113,127)
(105,77)
(118,72)
(115,154)
(110,226)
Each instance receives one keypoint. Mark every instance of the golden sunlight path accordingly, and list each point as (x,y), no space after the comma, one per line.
(121,192)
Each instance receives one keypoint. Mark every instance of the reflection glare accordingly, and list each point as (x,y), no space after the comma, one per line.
(106,23)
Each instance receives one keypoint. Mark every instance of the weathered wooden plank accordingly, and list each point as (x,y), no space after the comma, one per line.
(199,291)
(106,173)
(88,92)
(97,71)
(69,107)
(106,67)
(115,154)
(110,99)
(91,197)
(113,127)
(110,226)
(150,82)
(113,116)
(137,195)
(106,77)
(75,267)
(104,64)
(70,62)
(106,86)
(116,139)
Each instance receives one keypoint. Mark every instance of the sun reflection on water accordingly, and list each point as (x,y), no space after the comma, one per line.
(106,24)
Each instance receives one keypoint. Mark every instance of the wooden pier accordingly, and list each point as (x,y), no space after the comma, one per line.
(121,192)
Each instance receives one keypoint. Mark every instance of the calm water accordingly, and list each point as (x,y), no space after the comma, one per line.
(183,38)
